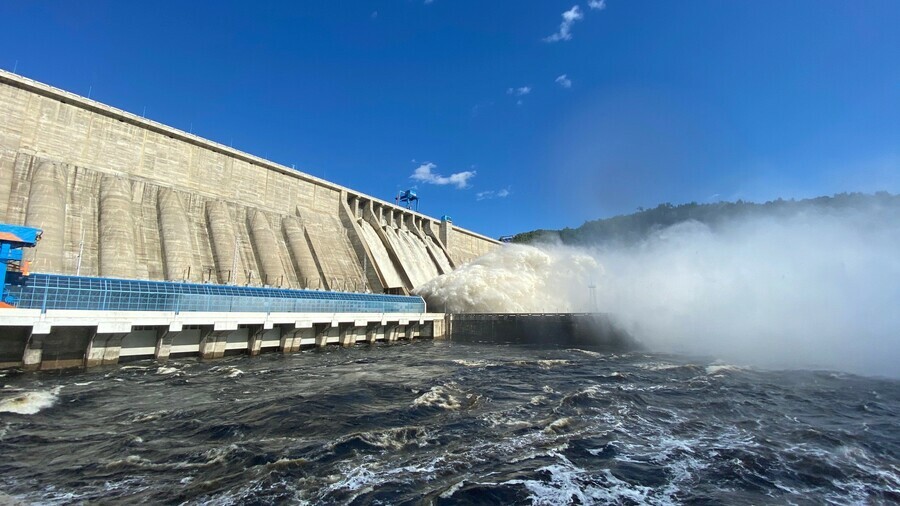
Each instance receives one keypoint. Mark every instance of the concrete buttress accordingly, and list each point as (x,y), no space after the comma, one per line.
(47,211)
(116,228)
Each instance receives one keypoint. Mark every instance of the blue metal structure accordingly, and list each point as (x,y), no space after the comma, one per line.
(408,197)
(53,291)
(12,239)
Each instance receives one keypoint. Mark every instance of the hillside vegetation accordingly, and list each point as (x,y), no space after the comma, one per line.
(636,226)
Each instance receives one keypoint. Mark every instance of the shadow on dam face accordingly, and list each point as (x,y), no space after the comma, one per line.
(596,330)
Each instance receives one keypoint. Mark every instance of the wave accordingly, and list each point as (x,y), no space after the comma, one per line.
(450,397)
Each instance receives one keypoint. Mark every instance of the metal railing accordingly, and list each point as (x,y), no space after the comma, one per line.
(53,291)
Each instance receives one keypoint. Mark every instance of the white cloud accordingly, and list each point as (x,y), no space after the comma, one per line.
(519,92)
(564,81)
(424,174)
(492,194)
(597,4)
(565,28)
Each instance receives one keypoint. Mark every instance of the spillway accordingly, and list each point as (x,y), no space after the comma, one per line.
(439,254)
(382,257)
(407,257)
(418,254)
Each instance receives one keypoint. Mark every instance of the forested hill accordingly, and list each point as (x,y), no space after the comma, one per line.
(634,227)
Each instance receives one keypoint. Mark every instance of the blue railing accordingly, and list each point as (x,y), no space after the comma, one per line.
(52,291)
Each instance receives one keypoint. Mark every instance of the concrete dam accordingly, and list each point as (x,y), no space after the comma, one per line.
(121,237)
(120,196)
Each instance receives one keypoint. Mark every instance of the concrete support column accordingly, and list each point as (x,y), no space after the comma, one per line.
(255,335)
(349,332)
(390,332)
(291,339)
(445,231)
(433,329)
(164,338)
(326,333)
(212,343)
(34,349)
(372,332)
(103,349)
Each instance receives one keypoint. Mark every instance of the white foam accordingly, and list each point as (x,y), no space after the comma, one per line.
(475,363)
(29,403)
(438,396)
(544,363)
(360,480)
(452,489)
(587,352)
(720,369)
(516,279)
(395,438)
(570,484)
(559,425)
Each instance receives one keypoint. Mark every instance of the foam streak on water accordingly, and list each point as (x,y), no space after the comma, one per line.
(453,424)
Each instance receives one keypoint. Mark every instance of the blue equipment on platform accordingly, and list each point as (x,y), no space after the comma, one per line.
(408,197)
(12,239)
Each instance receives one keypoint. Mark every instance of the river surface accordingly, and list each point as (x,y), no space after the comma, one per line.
(449,423)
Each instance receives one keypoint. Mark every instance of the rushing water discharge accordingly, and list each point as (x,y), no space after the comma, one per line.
(811,289)
(786,303)
(447,423)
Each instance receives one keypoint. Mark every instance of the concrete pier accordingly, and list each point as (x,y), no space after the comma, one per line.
(59,339)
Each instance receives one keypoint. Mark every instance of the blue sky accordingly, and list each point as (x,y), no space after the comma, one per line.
(507,116)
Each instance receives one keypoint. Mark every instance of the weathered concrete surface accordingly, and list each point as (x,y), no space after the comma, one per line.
(550,329)
(119,195)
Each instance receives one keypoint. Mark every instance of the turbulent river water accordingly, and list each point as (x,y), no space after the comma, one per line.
(449,423)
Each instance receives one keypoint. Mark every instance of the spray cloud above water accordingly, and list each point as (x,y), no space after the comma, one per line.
(813,288)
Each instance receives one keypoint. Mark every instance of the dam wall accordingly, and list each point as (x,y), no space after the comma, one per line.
(118,195)
(594,330)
